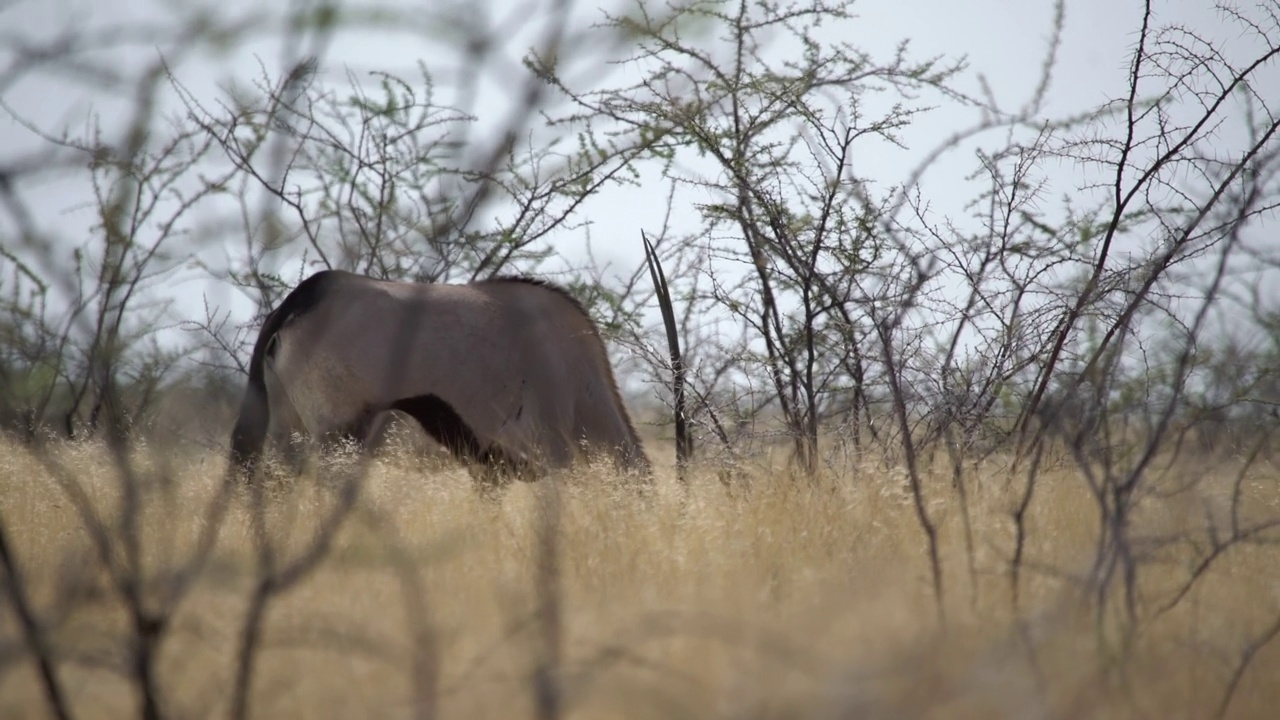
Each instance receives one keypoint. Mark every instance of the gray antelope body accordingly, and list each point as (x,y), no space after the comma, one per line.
(508,374)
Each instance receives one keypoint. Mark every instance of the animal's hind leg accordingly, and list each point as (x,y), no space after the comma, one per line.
(293,452)
(496,471)
(354,435)
(489,481)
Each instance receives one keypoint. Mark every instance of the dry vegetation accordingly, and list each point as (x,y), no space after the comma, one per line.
(782,599)
(1010,460)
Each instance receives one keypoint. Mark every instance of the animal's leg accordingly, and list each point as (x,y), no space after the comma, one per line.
(631,462)
(607,433)
(355,433)
(490,481)
(375,437)
(536,433)
(293,453)
(287,430)
(558,451)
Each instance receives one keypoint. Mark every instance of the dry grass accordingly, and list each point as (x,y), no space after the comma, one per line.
(785,600)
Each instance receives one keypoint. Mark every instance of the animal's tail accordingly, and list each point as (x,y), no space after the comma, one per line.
(250,432)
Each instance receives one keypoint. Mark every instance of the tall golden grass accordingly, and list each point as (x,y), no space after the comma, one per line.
(781,599)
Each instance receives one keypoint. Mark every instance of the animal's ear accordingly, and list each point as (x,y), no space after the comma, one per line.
(272,346)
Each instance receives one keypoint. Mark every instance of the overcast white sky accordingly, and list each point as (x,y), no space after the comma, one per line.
(1004,40)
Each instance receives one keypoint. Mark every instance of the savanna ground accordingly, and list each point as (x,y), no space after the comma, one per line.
(782,598)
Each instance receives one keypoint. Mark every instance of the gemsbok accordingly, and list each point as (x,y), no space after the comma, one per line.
(509,374)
